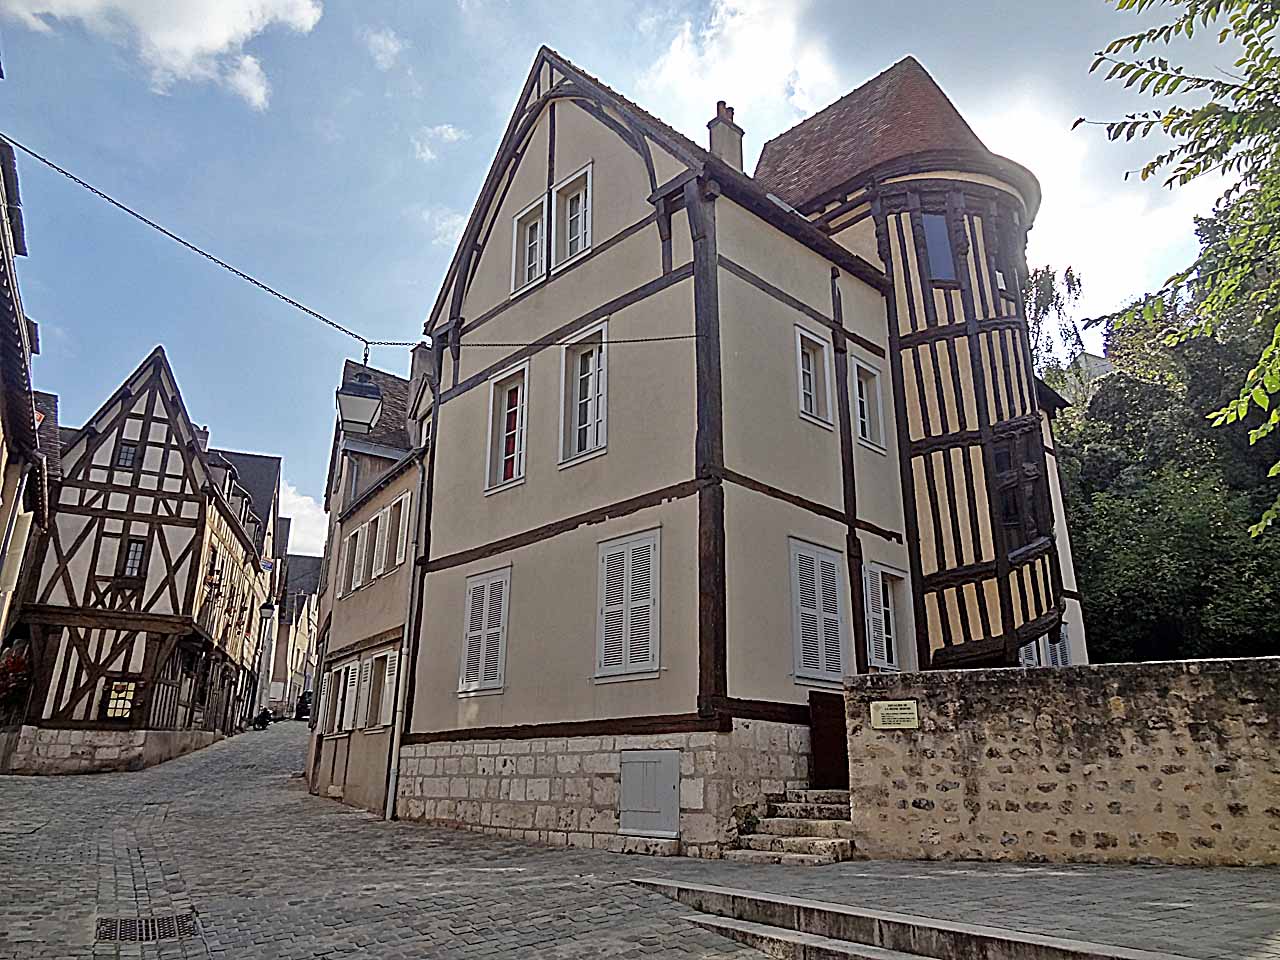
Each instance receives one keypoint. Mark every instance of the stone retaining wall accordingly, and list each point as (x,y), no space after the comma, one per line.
(41,750)
(565,791)
(1152,762)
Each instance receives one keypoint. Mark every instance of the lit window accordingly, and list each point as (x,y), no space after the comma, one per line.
(506,430)
(117,701)
(937,241)
(585,404)
(126,454)
(529,245)
(812,377)
(870,424)
(135,549)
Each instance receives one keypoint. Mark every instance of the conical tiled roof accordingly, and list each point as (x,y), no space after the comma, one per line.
(900,112)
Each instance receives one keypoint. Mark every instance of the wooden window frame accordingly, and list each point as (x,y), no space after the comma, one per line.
(480,686)
(808,343)
(132,447)
(494,457)
(630,670)
(134,680)
(520,278)
(569,402)
(122,561)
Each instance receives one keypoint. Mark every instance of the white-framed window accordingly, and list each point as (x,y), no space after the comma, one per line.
(484,647)
(818,607)
(398,520)
(583,377)
(868,413)
(370,536)
(347,680)
(507,416)
(529,244)
(378,535)
(629,610)
(387,704)
(1051,650)
(360,538)
(885,594)
(813,377)
(375,692)
(571,216)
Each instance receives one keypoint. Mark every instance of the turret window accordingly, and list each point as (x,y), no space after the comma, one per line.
(937,242)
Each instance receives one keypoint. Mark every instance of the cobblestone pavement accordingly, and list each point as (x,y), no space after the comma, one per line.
(271,872)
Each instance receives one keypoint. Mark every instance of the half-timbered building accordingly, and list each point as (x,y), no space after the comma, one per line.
(142,604)
(695,446)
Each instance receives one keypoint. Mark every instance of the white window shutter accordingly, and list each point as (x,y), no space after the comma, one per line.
(366,676)
(808,615)
(349,707)
(362,535)
(402,535)
(613,610)
(494,630)
(380,545)
(322,704)
(832,632)
(473,649)
(877,646)
(1029,654)
(642,605)
(1058,648)
(389,687)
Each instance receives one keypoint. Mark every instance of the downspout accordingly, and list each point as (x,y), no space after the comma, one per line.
(418,585)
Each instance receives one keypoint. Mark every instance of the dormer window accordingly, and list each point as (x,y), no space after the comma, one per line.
(572,200)
(529,244)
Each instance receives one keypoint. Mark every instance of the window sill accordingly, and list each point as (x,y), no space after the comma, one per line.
(810,418)
(336,735)
(818,683)
(624,677)
(945,284)
(505,485)
(578,458)
(879,448)
(570,261)
(529,285)
(486,692)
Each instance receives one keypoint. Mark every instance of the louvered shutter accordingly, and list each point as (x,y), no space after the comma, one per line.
(1029,654)
(366,677)
(808,614)
(494,628)
(877,645)
(389,687)
(349,706)
(357,574)
(402,535)
(613,610)
(473,649)
(642,605)
(832,638)
(380,544)
(321,707)
(1058,648)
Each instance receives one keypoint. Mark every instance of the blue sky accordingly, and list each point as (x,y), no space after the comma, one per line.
(333,149)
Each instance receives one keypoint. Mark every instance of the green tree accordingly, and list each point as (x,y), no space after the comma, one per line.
(1228,124)
(1050,300)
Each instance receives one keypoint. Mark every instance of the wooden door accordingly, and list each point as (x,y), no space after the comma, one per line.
(828,741)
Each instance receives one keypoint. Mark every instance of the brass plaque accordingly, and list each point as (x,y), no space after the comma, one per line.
(895,715)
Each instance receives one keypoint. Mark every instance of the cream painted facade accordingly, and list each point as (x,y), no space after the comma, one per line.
(659,424)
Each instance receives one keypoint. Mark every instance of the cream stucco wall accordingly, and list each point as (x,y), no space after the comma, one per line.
(551,637)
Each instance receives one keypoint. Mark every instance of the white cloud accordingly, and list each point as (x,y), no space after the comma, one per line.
(308,524)
(191,40)
(446,225)
(424,139)
(750,53)
(385,46)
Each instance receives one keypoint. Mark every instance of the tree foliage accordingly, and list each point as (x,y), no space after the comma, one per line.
(1050,299)
(1228,124)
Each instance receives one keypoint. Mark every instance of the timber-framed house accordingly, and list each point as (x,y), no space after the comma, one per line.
(693,446)
(143,597)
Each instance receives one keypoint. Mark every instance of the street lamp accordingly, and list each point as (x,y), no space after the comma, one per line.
(359,404)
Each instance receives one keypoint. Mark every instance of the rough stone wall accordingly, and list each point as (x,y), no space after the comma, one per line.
(41,750)
(1173,762)
(565,792)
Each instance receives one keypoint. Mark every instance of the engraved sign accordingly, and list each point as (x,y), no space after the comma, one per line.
(895,715)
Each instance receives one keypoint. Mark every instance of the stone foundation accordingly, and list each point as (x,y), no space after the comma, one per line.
(1173,762)
(565,791)
(42,750)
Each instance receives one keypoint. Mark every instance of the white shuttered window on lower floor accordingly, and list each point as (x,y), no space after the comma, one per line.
(484,648)
(818,603)
(628,605)
(885,593)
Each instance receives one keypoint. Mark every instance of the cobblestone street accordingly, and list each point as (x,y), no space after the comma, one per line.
(271,872)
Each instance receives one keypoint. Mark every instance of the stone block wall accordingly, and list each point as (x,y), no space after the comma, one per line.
(41,750)
(565,791)
(1174,762)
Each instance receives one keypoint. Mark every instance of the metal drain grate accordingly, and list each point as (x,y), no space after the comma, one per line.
(180,926)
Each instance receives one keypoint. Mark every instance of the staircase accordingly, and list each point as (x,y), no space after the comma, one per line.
(805,828)
(797,929)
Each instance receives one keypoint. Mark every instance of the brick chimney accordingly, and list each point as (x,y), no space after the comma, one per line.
(726,136)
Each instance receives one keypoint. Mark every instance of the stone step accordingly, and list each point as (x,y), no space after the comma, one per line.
(811,811)
(797,827)
(782,859)
(913,936)
(793,945)
(837,848)
(818,796)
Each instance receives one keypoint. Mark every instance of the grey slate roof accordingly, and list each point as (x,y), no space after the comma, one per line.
(302,573)
(49,433)
(392,428)
(259,474)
